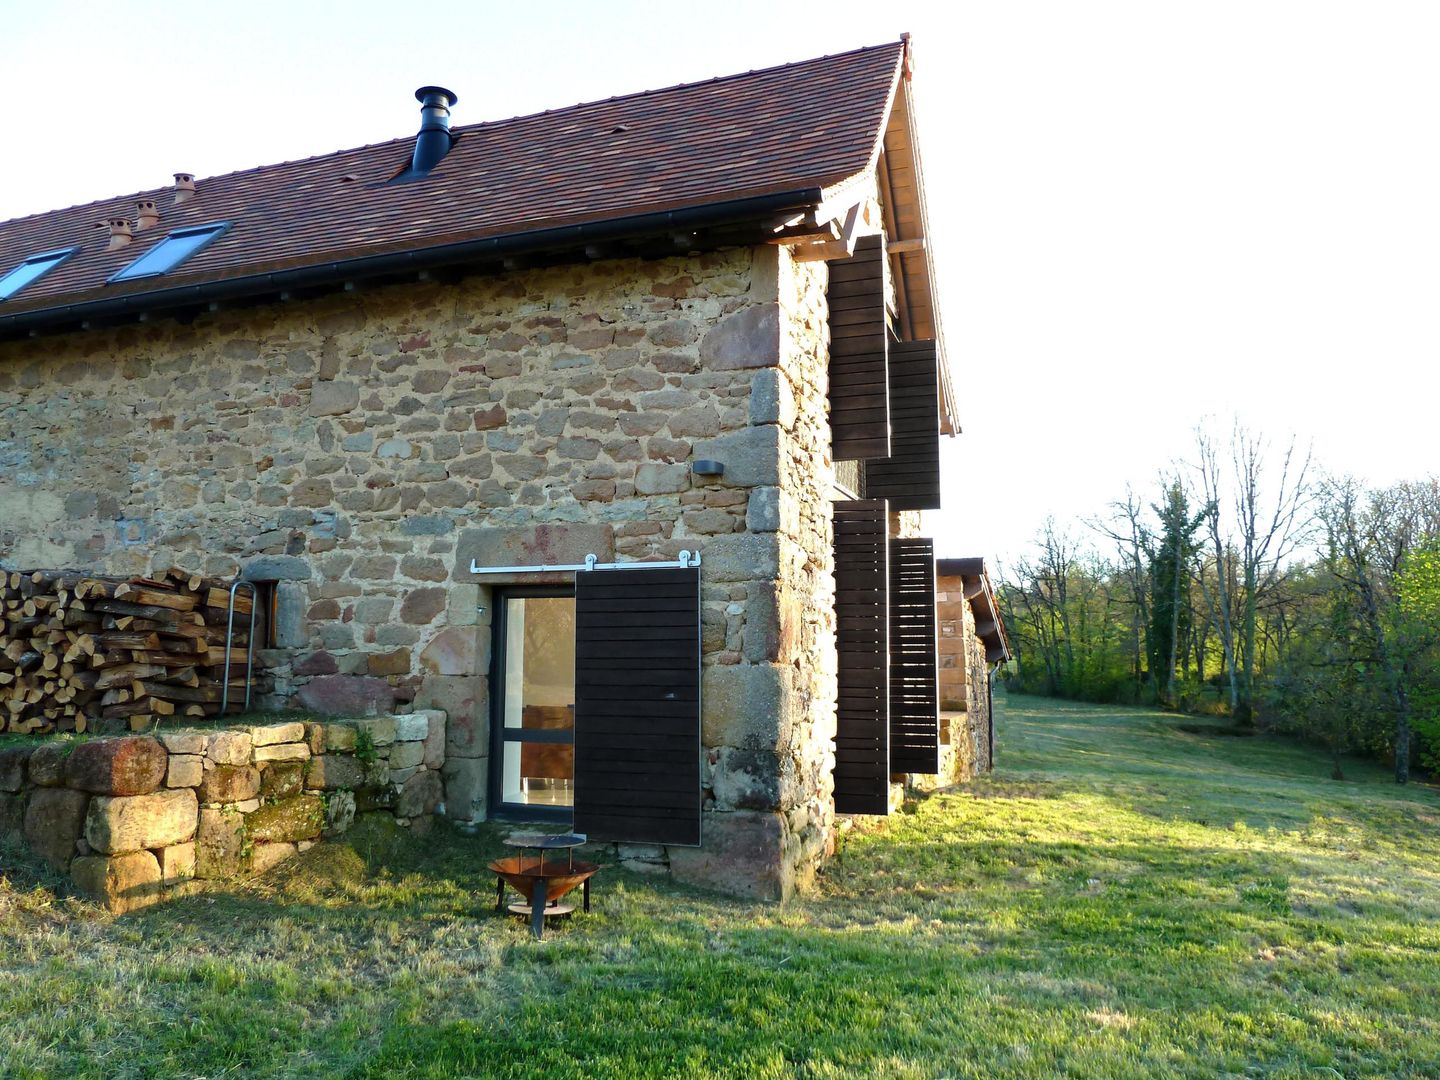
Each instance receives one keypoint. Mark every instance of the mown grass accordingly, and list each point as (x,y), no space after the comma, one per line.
(1122,899)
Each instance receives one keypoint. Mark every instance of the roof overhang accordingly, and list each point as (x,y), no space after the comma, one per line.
(706,227)
(980,595)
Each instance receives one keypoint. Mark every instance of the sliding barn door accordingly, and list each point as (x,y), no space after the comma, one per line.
(914,686)
(637,705)
(862,739)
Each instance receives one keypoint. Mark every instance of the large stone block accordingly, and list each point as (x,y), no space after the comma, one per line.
(380,729)
(291,600)
(271,734)
(772,399)
(333,398)
(751,456)
(266,856)
(282,779)
(186,770)
(421,606)
(453,651)
(330,772)
(184,742)
(653,479)
(465,701)
(47,763)
(742,853)
(121,882)
(117,824)
(406,755)
(773,621)
(177,863)
(53,820)
(412,727)
(750,338)
(747,705)
(218,843)
(229,748)
(754,780)
(533,545)
(12,767)
(742,557)
(434,738)
(339,737)
(466,781)
(347,695)
(12,818)
(339,812)
(229,784)
(282,752)
(274,568)
(419,795)
(300,818)
(126,766)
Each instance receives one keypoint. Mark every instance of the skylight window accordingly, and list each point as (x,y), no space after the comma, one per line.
(32,269)
(171,252)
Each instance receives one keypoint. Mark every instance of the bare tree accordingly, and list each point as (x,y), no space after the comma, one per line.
(1270,519)
(1133,542)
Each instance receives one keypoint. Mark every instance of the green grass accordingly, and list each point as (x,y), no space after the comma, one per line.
(1122,899)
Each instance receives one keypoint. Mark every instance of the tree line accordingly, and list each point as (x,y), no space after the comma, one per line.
(1246,583)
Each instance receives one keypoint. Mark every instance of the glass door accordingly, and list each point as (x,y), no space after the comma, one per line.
(533,763)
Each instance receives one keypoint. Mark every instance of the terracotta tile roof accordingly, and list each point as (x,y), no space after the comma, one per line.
(812,124)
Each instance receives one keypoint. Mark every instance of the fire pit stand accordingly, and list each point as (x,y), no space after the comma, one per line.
(543,882)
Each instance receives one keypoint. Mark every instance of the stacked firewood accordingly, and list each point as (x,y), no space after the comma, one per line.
(81,652)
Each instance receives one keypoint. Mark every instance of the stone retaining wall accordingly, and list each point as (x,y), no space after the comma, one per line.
(136,819)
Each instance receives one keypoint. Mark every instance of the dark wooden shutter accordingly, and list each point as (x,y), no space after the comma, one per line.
(862,737)
(859,412)
(910,476)
(914,685)
(637,705)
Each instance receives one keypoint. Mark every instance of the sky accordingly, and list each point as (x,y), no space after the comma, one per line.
(1143,214)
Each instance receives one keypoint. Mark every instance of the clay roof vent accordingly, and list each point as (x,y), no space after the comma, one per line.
(120,233)
(146,216)
(184,187)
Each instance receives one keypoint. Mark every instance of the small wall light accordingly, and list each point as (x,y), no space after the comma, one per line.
(706,467)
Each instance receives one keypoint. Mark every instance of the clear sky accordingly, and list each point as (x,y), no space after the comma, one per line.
(1143,212)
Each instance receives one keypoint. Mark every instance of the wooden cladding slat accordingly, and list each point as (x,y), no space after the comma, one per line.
(914,675)
(859,418)
(910,475)
(637,705)
(862,585)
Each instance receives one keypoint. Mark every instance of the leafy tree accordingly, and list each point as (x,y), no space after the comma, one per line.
(1172,562)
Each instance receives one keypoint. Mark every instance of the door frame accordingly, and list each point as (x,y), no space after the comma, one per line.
(499,809)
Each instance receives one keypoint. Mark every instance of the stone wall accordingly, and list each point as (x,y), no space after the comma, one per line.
(134,820)
(964,685)
(359,450)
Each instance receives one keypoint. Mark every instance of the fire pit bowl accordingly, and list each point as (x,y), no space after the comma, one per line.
(526,873)
(543,882)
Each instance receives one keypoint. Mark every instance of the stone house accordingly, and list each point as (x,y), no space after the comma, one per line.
(415,390)
(972,637)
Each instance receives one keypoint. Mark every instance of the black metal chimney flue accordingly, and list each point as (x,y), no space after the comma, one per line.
(434,140)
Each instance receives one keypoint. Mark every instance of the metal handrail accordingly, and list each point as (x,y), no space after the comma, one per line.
(230,641)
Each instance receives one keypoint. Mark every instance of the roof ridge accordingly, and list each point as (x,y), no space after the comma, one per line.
(899,43)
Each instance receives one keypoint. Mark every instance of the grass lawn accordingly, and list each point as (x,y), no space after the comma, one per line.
(1122,899)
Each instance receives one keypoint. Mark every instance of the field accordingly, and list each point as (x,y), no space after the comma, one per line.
(1121,899)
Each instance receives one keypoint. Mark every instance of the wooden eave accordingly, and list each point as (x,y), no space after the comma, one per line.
(984,606)
(902,193)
